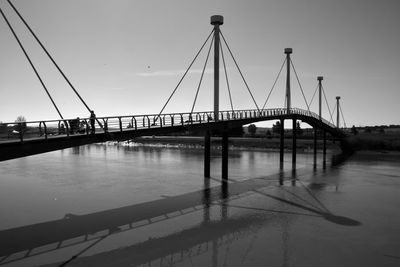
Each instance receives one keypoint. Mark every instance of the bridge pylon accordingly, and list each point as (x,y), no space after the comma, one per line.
(320,78)
(216,20)
(288,51)
(337,111)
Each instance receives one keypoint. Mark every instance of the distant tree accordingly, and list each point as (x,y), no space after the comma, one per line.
(236,131)
(20,119)
(367,130)
(252,129)
(276,128)
(299,131)
(21,126)
(3,127)
(381,130)
(354,130)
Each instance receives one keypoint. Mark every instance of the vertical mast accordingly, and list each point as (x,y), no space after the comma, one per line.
(288,51)
(320,78)
(337,111)
(216,20)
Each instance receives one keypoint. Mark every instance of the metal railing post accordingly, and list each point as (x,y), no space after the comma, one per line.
(21,135)
(120,124)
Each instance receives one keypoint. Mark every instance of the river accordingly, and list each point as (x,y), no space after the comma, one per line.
(81,207)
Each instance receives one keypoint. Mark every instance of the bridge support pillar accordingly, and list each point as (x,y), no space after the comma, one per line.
(224,157)
(282,140)
(324,151)
(207,152)
(315,147)
(337,111)
(288,51)
(294,145)
(216,20)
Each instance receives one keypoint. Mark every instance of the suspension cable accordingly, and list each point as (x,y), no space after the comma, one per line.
(332,114)
(226,75)
(273,86)
(50,57)
(202,74)
(315,91)
(31,63)
(301,88)
(341,112)
(237,66)
(187,70)
(326,101)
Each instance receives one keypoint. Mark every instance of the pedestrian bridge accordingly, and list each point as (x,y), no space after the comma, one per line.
(30,138)
(21,138)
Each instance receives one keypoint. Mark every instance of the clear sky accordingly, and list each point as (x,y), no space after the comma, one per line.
(125,57)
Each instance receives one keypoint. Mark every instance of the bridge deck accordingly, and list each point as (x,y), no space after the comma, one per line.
(30,138)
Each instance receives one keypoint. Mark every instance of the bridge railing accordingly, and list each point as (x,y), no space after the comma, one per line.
(23,131)
(311,114)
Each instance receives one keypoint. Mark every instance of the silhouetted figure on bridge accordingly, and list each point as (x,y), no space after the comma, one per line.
(74,125)
(92,121)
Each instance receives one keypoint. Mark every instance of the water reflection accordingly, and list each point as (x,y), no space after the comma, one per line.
(312,189)
(293,178)
(206,200)
(325,214)
(280,198)
(97,226)
(204,238)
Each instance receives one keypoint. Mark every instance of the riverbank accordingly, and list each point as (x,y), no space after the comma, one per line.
(361,142)
(372,141)
(236,142)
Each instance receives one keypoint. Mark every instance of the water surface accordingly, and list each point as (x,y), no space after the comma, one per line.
(341,216)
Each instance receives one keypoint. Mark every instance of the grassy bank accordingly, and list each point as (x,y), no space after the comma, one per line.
(375,141)
(239,142)
(363,141)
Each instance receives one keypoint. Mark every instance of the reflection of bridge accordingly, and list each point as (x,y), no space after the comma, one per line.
(29,138)
(36,239)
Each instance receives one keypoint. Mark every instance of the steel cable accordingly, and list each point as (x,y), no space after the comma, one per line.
(301,88)
(332,114)
(341,112)
(313,95)
(326,101)
(187,70)
(48,54)
(241,74)
(202,74)
(31,63)
(226,75)
(273,86)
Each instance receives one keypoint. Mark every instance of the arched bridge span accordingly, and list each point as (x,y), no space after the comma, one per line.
(30,138)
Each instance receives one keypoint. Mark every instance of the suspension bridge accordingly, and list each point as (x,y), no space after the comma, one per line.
(25,138)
